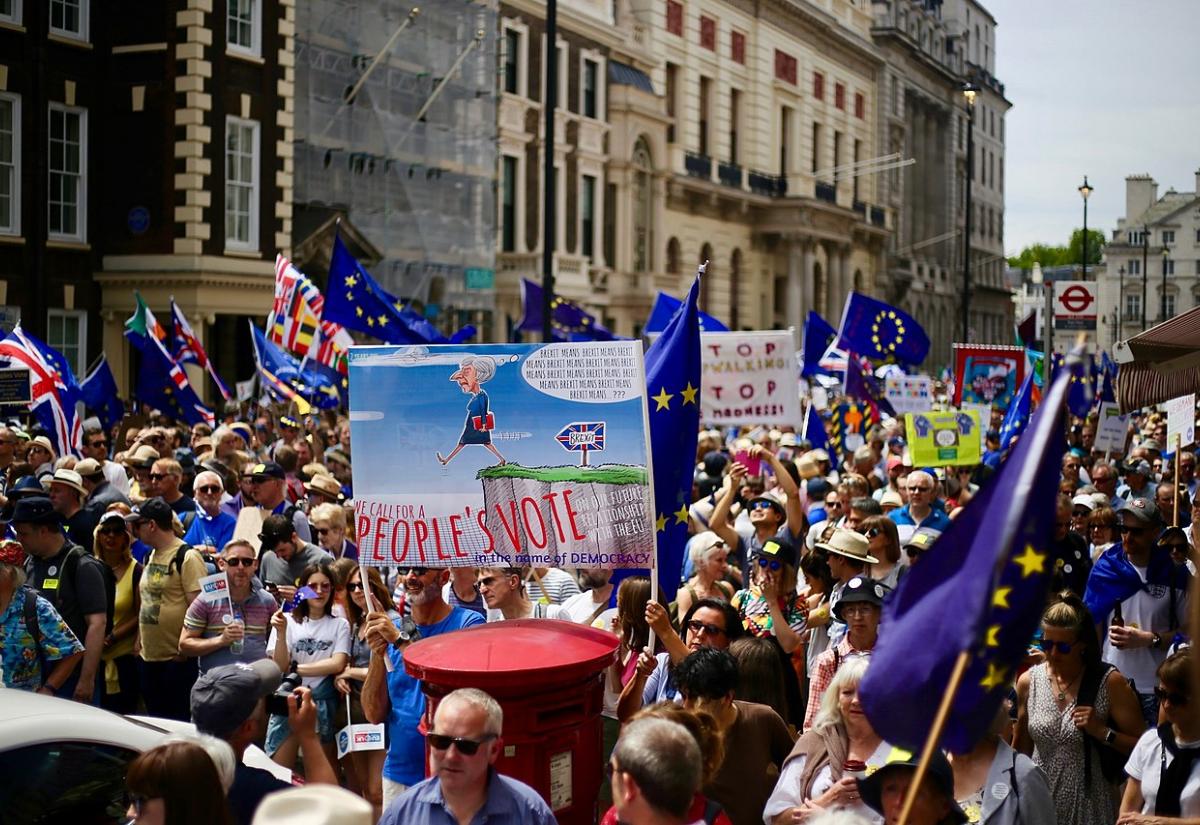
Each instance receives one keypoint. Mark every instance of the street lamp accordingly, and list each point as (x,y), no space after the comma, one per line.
(1162,298)
(969,92)
(1085,190)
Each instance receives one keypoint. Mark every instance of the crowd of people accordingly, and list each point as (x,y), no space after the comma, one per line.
(745,707)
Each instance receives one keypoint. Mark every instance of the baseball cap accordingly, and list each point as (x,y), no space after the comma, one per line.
(224,697)
(1141,467)
(154,509)
(860,589)
(922,539)
(268,469)
(1084,500)
(780,550)
(89,468)
(1141,509)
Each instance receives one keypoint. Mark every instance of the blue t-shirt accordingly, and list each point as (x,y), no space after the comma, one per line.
(215,531)
(405,762)
(936,520)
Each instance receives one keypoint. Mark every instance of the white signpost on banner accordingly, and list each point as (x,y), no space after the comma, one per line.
(1181,422)
(749,378)
(1111,428)
(1076,304)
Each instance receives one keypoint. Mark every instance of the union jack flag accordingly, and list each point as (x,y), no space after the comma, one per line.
(295,320)
(52,386)
(582,436)
(188,349)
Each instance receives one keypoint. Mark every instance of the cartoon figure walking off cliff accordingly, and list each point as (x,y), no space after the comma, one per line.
(471,373)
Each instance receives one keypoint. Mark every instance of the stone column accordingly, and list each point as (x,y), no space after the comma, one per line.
(795,310)
(833,304)
(806,272)
(915,198)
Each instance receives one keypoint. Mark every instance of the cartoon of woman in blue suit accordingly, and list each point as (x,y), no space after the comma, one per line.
(471,373)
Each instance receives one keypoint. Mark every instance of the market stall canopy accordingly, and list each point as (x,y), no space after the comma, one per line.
(1159,364)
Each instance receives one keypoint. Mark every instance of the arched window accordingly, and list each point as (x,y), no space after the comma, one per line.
(706,254)
(643,209)
(673,256)
(735,286)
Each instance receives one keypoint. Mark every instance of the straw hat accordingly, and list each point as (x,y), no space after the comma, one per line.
(849,544)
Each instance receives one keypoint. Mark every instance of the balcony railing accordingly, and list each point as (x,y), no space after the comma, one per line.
(730,174)
(826,192)
(773,186)
(698,166)
(859,207)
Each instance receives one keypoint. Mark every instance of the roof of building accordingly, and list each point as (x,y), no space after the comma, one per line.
(1167,205)
(626,75)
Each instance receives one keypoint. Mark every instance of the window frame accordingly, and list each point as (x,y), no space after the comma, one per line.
(255,47)
(79,366)
(508,224)
(84,21)
(587,56)
(14,228)
(587,225)
(80,235)
(522,57)
(15,18)
(252,244)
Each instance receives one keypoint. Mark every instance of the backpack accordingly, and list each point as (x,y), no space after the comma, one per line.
(70,569)
(177,561)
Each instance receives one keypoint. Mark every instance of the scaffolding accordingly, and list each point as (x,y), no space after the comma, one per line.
(396,125)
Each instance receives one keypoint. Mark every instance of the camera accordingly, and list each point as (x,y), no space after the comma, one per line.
(277,702)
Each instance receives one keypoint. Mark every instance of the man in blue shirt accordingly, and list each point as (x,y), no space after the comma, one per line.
(465,787)
(920,512)
(396,697)
(210,528)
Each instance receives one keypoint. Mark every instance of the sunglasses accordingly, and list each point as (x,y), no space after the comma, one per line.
(873,532)
(1048,646)
(93,445)
(773,564)
(1137,531)
(699,627)
(157,476)
(238,561)
(113,531)
(1179,700)
(920,489)
(467,747)
(833,505)
(413,571)
(320,531)
(761,505)
(211,489)
(354,587)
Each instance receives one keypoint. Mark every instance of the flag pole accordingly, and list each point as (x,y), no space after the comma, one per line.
(1175,492)
(935,732)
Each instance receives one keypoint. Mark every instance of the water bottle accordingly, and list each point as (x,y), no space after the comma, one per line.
(237,645)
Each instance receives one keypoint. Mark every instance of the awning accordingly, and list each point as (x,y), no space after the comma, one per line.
(1159,364)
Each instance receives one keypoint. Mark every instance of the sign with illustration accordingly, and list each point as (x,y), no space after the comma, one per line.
(446,481)
(940,439)
(749,378)
(987,374)
(909,393)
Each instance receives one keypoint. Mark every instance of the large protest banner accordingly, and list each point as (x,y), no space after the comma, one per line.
(986,374)
(939,439)
(749,378)
(545,462)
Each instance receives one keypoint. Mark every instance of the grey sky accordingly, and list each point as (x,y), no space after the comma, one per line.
(1105,88)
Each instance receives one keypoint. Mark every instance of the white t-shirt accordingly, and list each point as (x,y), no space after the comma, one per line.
(1145,765)
(579,609)
(314,641)
(1147,609)
(537,610)
(789,794)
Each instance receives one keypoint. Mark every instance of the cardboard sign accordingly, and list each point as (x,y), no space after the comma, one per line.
(909,393)
(1111,428)
(749,378)
(1181,421)
(359,738)
(939,439)
(433,490)
(214,588)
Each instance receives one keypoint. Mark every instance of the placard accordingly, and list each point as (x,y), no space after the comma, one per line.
(1111,428)
(14,386)
(214,588)
(1076,304)
(359,738)
(1181,421)
(940,439)
(473,455)
(749,378)
(987,374)
(909,393)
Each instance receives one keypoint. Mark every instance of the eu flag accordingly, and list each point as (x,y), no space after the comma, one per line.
(285,380)
(672,392)
(818,336)
(882,332)
(664,309)
(1018,412)
(860,383)
(980,590)
(814,430)
(568,320)
(99,394)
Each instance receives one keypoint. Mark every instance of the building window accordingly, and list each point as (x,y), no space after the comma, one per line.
(738,48)
(243,27)
(860,105)
(857,159)
(818,86)
(591,82)
(66,331)
(241,184)
(785,67)
(708,33)
(785,137)
(69,18)
(675,18)
(1168,237)
(1136,238)
(839,96)
(512,61)
(10,164)
(643,208)
(1135,267)
(672,86)
(508,204)
(1133,307)
(588,216)
(1168,266)
(1168,306)
(735,115)
(705,94)
(68,173)
(816,147)
(10,11)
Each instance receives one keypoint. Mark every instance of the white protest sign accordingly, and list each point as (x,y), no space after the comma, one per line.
(359,738)
(985,415)
(909,393)
(1181,421)
(214,588)
(749,378)
(1111,428)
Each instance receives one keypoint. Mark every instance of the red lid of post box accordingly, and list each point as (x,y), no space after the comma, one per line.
(541,653)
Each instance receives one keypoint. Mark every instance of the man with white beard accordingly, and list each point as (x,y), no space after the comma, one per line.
(396,697)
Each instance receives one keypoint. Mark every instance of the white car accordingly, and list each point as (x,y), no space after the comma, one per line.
(62,761)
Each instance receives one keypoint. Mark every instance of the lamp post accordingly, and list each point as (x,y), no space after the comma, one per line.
(1085,191)
(1145,269)
(1162,298)
(969,92)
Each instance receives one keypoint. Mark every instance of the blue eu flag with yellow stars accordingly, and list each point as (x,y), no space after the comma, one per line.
(979,590)
(673,396)
(881,332)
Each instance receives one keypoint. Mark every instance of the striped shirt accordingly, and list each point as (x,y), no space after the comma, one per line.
(209,619)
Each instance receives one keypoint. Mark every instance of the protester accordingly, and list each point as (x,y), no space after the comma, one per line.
(211,529)
(998,785)
(814,565)
(328,522)
(463,591)
(885,790)
(860,607)
(464,743)
(34,634)
(122,668)
(95,448)
(234,629)
(267,480)
(176,783)
(67,494)
(710,561)
(597,589)
(40,456)
(761,675)
(655,773)
(285,555)
(920,512)
(503,589)
(771,517)
(1101,531)
(884,544)
(101,492)
(167,477)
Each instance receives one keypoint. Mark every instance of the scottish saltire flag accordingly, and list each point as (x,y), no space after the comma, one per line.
(295,319)
(162,383)
(672,395)
(818,337)
(881,332)
(1018,412)
(187,349)
(663,310)
(99,394)
(980,590)
(285,380)
(814,430)
(568,320)
(52,387)
(860,383)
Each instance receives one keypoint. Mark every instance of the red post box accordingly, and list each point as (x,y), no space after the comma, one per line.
(548,676)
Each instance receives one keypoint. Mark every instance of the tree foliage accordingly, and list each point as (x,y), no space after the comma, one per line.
(1048,255)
